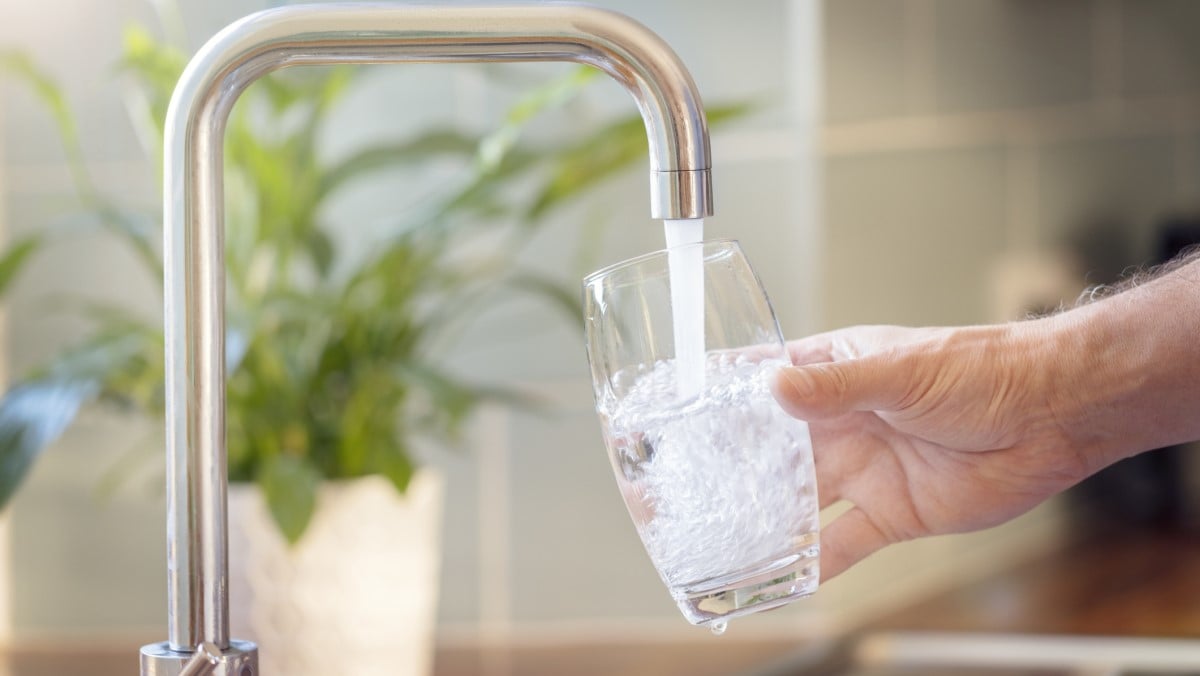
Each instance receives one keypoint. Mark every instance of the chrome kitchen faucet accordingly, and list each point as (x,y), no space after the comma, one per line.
(194,226)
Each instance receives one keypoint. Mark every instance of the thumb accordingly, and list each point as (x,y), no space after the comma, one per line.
(817,391)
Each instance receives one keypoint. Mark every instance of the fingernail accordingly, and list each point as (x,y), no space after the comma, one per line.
(801,381)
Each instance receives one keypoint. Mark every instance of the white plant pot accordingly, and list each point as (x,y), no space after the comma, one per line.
(356,595)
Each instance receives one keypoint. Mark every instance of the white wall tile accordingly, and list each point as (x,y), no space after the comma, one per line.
(865,59)
(733,50)
(1012,53)
(910,235)
(1103,198)
(1159,51)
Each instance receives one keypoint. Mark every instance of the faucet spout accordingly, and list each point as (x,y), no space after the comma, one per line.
(680,187)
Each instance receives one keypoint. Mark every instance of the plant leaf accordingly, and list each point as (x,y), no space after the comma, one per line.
(320,251)
(289,485)
(112,318)
(34,413)
(565,299)
(557,92)
(421,148)
(15,259)
(156,67)
(32,416)
(451,401)
(394,462)
(112,218)
(46,89)
(138,233)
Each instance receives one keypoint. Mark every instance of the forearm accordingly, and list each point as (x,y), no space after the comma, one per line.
(1128,367)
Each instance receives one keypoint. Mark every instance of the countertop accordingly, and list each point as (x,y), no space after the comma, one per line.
(1130,585)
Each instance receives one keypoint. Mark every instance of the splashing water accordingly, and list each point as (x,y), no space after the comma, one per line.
(721,484)
(686,269)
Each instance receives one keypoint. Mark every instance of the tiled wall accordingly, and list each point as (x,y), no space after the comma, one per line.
(964,134)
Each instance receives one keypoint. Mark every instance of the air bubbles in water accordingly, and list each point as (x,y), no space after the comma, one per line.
(720,478)
(718,628)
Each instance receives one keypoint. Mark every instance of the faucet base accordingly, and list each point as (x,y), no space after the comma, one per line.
(240,659)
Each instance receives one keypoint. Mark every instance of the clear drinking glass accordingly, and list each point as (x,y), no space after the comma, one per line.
(717,477)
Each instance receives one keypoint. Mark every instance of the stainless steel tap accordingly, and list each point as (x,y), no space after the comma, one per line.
(197,537)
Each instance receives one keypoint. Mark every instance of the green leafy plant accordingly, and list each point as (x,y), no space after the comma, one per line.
(332,356)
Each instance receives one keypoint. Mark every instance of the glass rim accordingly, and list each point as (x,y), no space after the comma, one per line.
(607,270)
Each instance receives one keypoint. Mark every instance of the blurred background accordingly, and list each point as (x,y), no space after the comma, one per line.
(905,161)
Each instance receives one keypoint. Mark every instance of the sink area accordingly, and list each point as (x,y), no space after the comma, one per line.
(1086,609)
(937,654)
(1029,654)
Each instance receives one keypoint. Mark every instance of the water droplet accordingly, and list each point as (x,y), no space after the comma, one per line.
(718,628)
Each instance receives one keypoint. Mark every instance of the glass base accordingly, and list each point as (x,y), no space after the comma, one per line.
(774,584)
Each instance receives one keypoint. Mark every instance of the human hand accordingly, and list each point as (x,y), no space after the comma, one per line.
(932,431)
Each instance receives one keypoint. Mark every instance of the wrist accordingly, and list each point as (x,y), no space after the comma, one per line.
(1090,378)
(1125,371)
